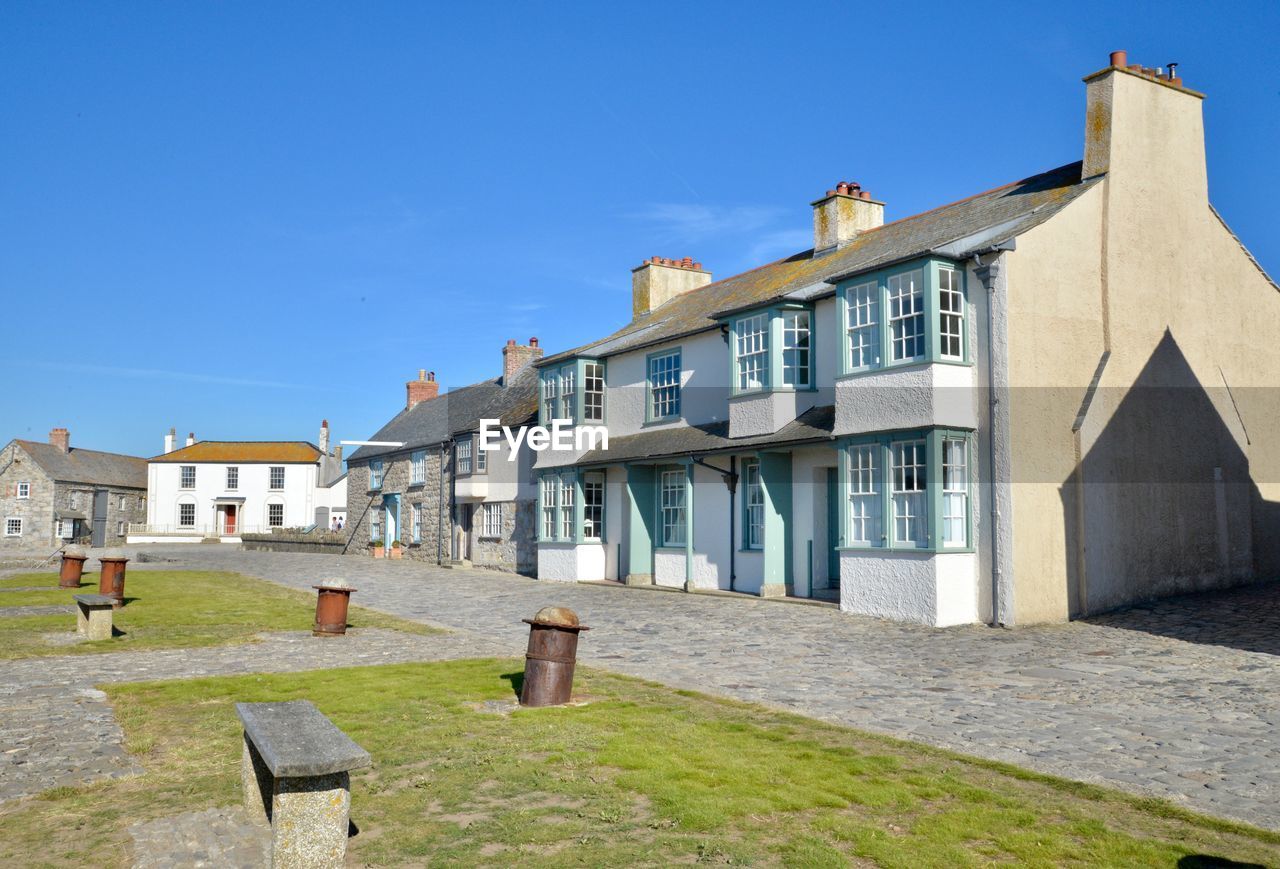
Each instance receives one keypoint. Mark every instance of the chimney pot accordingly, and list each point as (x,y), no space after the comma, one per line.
(1119,58)
(844,213)
(533,342)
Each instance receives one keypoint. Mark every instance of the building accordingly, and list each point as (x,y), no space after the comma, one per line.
(54,494)
(1044,401)
(218,490)
(423,480)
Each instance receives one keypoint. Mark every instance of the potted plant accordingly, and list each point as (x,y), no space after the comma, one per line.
(397,549)
(379,551)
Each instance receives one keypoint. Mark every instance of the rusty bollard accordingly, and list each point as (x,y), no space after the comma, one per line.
(333,596)
(73,559)
(550,658)
(111,578)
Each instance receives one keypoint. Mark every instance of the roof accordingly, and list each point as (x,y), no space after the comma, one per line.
(244,452)
(952,230)
(815,424)
(87,466)
(438,419)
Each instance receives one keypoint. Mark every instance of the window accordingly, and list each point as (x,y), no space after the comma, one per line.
(463,449)
(417,467)
(233,478)
(673,508)
(864,497)
(186,515)
(795,349)
(122,502)
(558,393)
(482,458)
(754,533)
(277,478)
(863,305)
(375,524)
(24,491)
(910,516)
(564,409)
(491,520)
(65,529)
(906,316)
(13,527)
(751,352)
(566,509)
(188,474)
(375,474)
(664,386)
(950,314)
(593,506)
(955,492)
(119,529)
(415,519)
(550,504)
(275,515)
(593,392)
(73,500)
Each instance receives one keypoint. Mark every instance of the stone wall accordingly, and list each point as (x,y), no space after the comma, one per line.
(517,549)
(318,542)
(397,470)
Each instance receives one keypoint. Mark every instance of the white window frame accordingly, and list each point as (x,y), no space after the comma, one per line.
(753,515)
(955,492)
(865,514)
(14,526)
(233,478)
(862,313)
(120,528)
(909,474)
(376,471)
(491,520)
(797,349)
(183,477)
(951,311)
(549,504)
(417,467)
(672,508)
(592,391)
(415,521)
(271,478)
(907,322)
(462,452)
(593,494)
(751,352)
(481,458)
(567,495)
(182,508)
(663,372)
(272,523)
(24,491)
(375,524)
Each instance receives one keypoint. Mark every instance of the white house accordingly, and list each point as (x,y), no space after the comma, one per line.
(222,489)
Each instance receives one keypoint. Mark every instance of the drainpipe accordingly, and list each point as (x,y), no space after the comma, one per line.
(998,452)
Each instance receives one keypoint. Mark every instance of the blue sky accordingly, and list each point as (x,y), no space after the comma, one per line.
(239,218)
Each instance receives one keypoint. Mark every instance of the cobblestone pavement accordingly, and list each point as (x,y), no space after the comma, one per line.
(1177,699)
(57,729)
(225,838)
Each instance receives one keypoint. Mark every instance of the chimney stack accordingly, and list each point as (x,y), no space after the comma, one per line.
(191,438)
(171,440)
(422,389)
(517,356)
(843,214)
(657,280)
(324,437)
(60,438)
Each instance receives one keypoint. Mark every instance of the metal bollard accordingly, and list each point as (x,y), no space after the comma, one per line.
(333,596)
(551,656)
(73,559)
(111,577)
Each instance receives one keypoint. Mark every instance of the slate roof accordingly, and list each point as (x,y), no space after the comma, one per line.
(245,452)
(815,424)
(951,230)
(87,466)
(457,411)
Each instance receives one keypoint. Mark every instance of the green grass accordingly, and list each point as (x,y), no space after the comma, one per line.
(172,609)
(639,775)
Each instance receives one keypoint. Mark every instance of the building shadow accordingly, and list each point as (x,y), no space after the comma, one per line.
(1162,503)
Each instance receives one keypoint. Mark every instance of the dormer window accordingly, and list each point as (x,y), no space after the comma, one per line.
(560,388)
(797,367)
(751,356)
(904,316)
(772,349)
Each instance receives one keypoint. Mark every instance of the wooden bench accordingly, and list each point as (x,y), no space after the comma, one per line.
(93,615)
(295,773)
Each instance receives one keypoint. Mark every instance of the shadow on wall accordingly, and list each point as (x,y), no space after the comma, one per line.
(1167,505)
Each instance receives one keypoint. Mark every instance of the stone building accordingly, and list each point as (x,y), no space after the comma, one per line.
(423,480)
(53,493)
(1040,402)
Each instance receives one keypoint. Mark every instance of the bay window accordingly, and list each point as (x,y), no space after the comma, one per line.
(593,505)
(795,349)
(559,389)
(907,490)
(903,316)
(593,392)
(463,454)
(772,349)
(751,352)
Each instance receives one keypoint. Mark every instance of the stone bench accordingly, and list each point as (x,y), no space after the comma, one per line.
(93,615)
(295,773)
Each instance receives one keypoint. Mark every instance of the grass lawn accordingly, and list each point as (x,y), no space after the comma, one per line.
(170,609)
(641,774)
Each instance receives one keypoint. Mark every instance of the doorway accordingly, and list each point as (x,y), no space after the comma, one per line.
(229,516)
(99,537)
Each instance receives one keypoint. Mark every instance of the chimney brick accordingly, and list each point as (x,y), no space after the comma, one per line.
(517,356)
(60,438)
(422,389)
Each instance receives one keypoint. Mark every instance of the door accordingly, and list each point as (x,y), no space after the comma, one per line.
(833,528)
(229,520)
(99,537)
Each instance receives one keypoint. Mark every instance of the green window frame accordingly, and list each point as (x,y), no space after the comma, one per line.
(752,506)
(574,391)
(911,314)
(772,350)
(663,372)
(560,507)
(907,491)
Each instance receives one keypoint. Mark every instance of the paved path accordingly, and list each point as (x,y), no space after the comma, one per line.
(57,729)
(1177,700)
